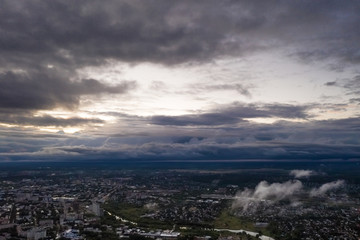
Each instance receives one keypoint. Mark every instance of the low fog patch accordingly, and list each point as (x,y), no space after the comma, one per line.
(289,193)
(297,173)
(323,189)
(266,194)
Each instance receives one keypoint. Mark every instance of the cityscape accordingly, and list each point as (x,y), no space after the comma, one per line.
(94,202)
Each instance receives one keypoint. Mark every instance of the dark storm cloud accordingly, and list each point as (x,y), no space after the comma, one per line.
(85,32)
(234,113)
(47,89)
(75,33)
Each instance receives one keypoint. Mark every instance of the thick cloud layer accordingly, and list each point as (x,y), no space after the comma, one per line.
(323,140)
(45,45)
(171,32)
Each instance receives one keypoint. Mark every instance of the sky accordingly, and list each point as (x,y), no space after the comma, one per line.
(182,80)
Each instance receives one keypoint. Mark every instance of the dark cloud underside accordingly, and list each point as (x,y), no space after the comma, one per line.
(47,89)
(86,32)
(233,114)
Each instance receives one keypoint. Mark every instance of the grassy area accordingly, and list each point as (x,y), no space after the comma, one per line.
(133,213)
(126,211)
(226,220)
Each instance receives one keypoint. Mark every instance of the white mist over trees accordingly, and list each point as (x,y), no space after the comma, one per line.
(251,199)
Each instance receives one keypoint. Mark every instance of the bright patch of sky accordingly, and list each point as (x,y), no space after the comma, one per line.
(269,77)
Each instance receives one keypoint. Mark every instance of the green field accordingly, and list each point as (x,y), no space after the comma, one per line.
(226,220)
(229,221)
(133,213)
